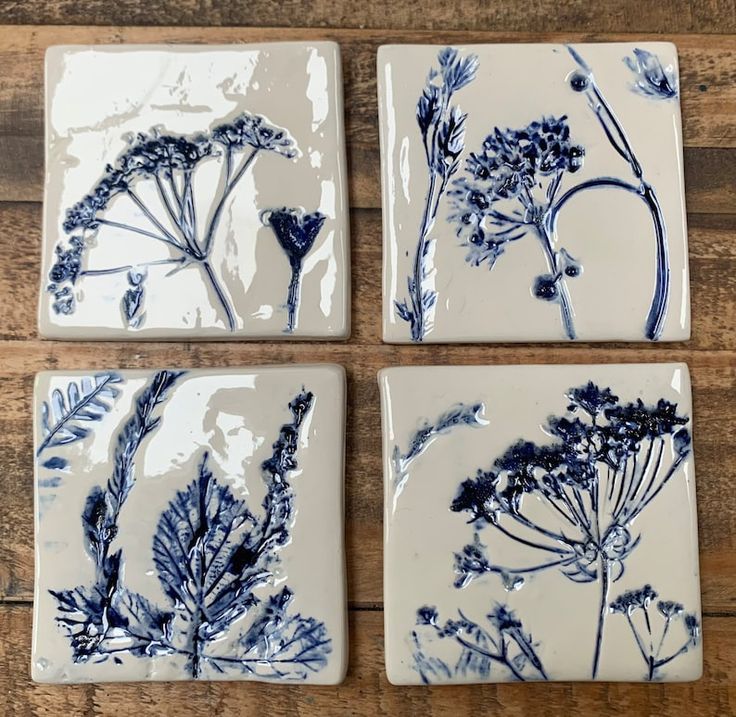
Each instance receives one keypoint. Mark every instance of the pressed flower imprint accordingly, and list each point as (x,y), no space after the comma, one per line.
(515,186)
(607,461)
(215,557)
(158,176)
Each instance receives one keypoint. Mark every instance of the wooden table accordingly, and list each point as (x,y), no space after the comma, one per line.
(708,79)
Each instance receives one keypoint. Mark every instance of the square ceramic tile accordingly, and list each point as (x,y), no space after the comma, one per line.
(540,524)
(532,193)
(178,514)
(195,192)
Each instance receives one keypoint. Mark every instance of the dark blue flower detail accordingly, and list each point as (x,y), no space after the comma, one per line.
(458,415)
(132,303)
(513,187)
(168,164)
(657,647)
(64,415)
(652,78)
(605,463)
(509,190)
(478,651)
(212,555)
(442,126)
(296,233)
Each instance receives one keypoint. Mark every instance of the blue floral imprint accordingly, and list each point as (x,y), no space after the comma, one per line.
(514,187)
(653,79)
(459,415)
(64,415)
(442,126)
(505,645)
(654,648)
(211,553)
(167,167)
(295,232)
(606,462)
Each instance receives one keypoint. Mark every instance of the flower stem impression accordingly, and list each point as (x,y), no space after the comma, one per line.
(606,463)
(167,167)
(296,233)
(655,648)
(442,126)
(514,186)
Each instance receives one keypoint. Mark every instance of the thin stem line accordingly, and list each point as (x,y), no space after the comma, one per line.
(128,267)
(220,295)
(142,232)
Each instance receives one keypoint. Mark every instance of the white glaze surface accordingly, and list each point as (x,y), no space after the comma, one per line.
(422,533)
(234,415)
(609,232)
(97,97)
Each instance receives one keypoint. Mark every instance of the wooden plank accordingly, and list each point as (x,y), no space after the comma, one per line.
(712,267)
(366,690)
(708,65)
(714,380)
(539,16)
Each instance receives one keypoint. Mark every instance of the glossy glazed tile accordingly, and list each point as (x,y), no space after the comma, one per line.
(178,515)
(540,523)
(195,192)
(532,193)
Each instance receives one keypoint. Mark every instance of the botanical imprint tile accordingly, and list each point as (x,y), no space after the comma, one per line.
(532,193)
(178,514)
(540,524)
(195,192)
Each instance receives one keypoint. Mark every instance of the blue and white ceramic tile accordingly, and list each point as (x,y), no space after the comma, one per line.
(540,524)
(195,192)
(532,193)
(178,516)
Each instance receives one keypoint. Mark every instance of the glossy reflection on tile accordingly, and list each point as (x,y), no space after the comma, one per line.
(195,192)
(178,514)
(540,524)
(532,193)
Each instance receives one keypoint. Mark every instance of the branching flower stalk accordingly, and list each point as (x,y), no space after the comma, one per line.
(442,126)
(606,463)
(505,645)
(211,554)
(459,415)
(654,647)
(514,186)
(167,165)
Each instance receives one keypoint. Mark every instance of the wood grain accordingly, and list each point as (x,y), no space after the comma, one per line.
(539,16)
(366,690)
(708,87)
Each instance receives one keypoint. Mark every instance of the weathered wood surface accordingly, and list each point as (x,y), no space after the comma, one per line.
(708,85)
(708,65)
(366,691)
(663,16)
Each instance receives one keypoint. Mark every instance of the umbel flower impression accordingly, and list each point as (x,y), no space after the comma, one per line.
(606,463)
(167,166)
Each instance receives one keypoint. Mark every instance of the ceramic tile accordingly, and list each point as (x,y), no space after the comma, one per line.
(532,193)
(195,192)
(540,523)
(178,514)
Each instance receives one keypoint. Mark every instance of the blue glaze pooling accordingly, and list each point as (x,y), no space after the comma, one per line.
(504,646)
(514,186)
(442,126)
(651,78)
(296,233)
(657,644)
(65,415)
(606,461)
(167,165)
(211,553)
(459,415)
